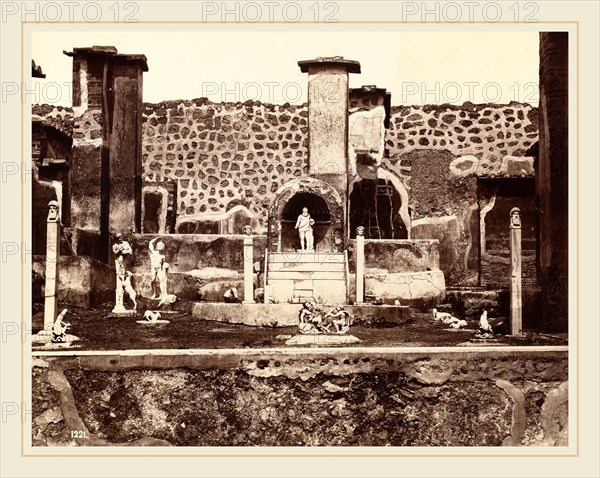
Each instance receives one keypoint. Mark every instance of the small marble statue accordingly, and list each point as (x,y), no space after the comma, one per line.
(151,316)
(59,329)
(337,317)
(53,211)
(314,320)
(248,230)
(485,330)
(441,316)
(515,218)
(158,269)
(231,295)
(360,231)
(305,224)
(122,251)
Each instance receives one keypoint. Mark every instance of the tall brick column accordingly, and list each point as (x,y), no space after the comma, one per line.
(552,178)
(328,120)
(125,169)
(90,146)
(106,172)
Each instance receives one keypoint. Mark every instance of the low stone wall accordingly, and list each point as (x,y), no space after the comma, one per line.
(201,266)
(483,396)
(396,255)
(82,281)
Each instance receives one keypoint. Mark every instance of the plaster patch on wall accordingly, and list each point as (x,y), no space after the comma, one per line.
(484,210)
(83,103)
(464,165)
(404,214)
(214,217)
(466,227)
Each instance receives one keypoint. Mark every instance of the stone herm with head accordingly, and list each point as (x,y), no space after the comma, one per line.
(53,211)
(515,218)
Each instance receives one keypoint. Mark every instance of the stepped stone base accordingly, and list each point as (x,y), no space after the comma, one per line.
(299,276)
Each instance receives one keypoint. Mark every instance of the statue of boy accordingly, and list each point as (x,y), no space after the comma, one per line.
(305,224)
(158,268)
(121,250)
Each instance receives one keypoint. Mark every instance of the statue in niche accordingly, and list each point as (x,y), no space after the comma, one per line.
(158,269)
(515,218)
(122,251)
(305,224)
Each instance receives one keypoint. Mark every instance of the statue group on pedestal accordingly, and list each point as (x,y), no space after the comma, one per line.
(122,251)
(314,319)
(158,273)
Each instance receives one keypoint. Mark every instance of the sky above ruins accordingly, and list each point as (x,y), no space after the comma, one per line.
(416,67)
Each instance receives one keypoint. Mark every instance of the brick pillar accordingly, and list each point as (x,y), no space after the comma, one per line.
(106,171)
(125,165)
(552,179)
(90,147)
(328,120)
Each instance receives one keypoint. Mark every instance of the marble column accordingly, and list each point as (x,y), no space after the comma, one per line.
(248,267)
(360,265)
(516,295)
(52,255)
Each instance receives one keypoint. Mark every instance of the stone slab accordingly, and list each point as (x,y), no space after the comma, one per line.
(266,315)
(322,340)
(412,288)
(285,315)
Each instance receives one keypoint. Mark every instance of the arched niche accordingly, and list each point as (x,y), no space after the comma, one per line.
(325,207)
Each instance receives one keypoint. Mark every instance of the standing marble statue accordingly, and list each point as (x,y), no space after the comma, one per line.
(159,268)
(122,251)
(305,224)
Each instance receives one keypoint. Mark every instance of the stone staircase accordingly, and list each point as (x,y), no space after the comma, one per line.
(295,277)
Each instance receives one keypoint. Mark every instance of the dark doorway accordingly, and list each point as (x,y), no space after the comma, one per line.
(318,211)
(375,205)
(152,208)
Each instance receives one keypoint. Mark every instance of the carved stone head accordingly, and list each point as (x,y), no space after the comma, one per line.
(360,231)
(248,230)
(160,246)
(515,218)
(53,211)
(118,237)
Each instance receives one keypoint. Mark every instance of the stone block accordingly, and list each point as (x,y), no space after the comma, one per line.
(82,281)
(410,288)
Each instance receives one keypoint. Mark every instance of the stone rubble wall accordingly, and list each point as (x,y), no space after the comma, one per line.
(485,131)
(223,155)
(283,397)
(236,155)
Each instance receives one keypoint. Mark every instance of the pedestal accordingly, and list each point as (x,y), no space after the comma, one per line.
(516,296)
(52,255)
(248,271)
(360,269)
